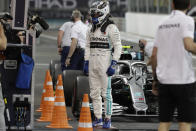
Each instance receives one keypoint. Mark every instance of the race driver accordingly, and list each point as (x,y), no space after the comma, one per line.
(100,61)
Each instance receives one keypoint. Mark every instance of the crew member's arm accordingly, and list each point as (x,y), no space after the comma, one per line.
(3,39)
(154,61)
(60,37)
(115,39)
(188,35)
(154,66)
(190,45)
(74,42)
(148,47)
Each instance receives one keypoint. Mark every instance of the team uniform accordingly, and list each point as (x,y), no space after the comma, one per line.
(101,39)
(98,52)
(66,41)
(174,68)
(78,32)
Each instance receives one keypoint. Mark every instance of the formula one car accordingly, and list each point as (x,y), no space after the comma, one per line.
(131,87)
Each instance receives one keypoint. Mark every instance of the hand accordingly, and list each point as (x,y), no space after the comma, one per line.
(155,88)
(86,64)
(1,30)
(21,36)
(143,42)
(111,69)
(67,62)
(1,27)
(60,50)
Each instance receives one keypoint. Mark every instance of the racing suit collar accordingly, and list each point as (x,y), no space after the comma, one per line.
(78,22)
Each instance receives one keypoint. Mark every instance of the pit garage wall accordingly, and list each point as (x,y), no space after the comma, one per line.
(142,24)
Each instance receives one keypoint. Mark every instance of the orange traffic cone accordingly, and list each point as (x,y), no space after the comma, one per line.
(59,78)
(59,117)
(48,102)
(85,122)
(43,92)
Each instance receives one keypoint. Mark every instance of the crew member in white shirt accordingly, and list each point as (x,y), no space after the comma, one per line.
(64,41)
(75,58)
(172,64)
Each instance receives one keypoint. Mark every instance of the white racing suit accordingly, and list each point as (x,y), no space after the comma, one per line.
(99,53)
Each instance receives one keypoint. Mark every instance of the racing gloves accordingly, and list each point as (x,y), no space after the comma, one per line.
(86,63)
(111,69)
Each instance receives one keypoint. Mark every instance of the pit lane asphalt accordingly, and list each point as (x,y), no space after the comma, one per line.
(46,49)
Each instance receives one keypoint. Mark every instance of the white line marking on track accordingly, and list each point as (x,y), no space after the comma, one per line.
(39,85)
(49,37)
(41,64)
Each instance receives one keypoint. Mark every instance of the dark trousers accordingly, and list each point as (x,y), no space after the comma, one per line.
(77,59)
(64,54)
(181,97)
(195,36)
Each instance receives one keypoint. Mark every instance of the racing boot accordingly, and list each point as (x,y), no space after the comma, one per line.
(107,123)
(97,122)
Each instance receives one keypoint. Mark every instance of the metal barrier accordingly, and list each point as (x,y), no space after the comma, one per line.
(152,6)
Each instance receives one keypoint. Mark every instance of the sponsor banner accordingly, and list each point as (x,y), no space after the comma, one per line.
(63,8)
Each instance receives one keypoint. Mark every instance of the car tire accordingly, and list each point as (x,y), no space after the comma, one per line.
(81,87)
(52,69)
(69,77)
(57,72)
